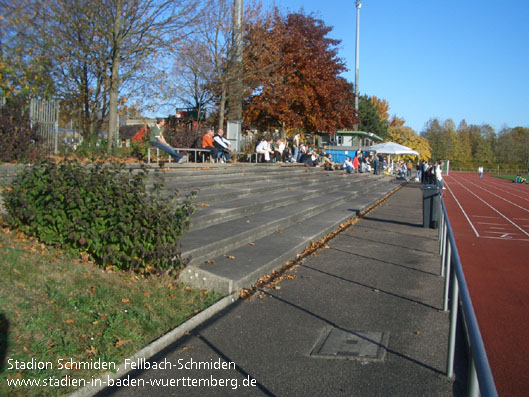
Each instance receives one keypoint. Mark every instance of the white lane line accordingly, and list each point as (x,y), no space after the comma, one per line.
(462,210)
(510,239)
(490,231)
(494,209)
(503,198)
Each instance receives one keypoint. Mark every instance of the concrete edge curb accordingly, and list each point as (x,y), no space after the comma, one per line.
(160,344)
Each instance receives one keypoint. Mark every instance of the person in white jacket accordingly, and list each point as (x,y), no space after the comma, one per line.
(348,165)
(264,148)
(439,176)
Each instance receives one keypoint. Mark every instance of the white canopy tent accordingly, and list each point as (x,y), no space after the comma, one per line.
(393,148)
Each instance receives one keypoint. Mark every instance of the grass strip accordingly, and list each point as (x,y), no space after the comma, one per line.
(56,309)
(508,177)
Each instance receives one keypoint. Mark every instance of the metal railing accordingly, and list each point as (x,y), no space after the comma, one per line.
(480,379)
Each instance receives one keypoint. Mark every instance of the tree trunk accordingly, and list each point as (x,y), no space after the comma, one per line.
(113,104)
(222,107)
(114,78)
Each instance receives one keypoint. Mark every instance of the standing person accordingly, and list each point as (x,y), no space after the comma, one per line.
(158,141)
(424,169)
(377,163)
(295,148)
(355,164)
(439,176)
(480,170)
(222,145)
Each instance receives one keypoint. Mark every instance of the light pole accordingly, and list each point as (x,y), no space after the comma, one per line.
(233,132)
(357,53)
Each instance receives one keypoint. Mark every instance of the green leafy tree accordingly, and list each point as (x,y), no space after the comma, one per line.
(369,116)
(443,140)
(513,145)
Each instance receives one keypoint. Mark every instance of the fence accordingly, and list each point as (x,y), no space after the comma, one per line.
(495,170)
(45,114)
(480,377)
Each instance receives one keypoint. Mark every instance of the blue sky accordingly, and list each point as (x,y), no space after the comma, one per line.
(458,59)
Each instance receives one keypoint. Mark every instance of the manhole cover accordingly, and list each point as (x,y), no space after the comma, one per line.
(353,345)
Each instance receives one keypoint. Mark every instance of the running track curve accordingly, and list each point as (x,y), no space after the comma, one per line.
(490,221)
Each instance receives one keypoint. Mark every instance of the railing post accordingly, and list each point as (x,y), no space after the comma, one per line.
(443,244)
(448,258)
(453,326)
(473,385)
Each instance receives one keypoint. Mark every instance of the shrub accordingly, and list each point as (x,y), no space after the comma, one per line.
(102,210)
(180,135)
(20,142)
(138,150)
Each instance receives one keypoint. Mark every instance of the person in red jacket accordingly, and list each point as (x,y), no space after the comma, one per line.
(208,143)
(355,163)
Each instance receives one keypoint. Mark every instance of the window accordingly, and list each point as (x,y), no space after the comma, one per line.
(336,140)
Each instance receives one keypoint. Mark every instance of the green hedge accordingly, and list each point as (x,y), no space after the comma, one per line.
(103,210)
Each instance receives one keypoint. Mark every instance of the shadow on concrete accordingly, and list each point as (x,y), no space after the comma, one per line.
(389,244)
(386,262)
(399,232)
(388,350)
(370,218)
(372,288)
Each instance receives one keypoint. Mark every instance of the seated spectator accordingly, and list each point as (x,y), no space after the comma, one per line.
(519,179)
(288,152)
(158,141)
(222,145)
(208,143)
(348,165)
(306,158)
(326,162)
(279,150)
(302,150)
(315,158)
(264,148)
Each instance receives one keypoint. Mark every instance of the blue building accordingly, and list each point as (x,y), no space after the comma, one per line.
(345,143)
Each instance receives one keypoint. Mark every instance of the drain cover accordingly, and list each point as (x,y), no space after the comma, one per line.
(352,345)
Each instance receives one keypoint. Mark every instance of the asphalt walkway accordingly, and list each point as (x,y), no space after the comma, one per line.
(362,317)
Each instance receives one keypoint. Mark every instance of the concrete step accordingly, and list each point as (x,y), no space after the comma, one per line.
(239,205)
(243,264)
(203,244)
(201,180)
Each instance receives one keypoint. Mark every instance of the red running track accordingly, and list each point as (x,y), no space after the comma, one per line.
(490,221)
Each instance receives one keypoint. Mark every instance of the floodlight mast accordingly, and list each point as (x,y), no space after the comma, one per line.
(357,54)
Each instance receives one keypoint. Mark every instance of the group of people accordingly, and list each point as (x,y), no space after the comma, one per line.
(218,146)
(281,151)
(430,174)
(519,179)
(361,162)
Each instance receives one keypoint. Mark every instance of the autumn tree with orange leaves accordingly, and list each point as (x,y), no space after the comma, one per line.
(300,88)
